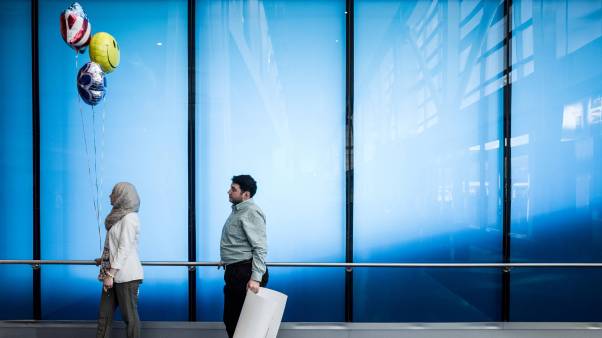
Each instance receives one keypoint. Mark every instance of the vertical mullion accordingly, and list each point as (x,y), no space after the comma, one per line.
(35,121)
(349,160)
(507,186)
(191,160)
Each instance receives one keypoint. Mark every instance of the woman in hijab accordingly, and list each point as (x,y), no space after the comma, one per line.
(121,272)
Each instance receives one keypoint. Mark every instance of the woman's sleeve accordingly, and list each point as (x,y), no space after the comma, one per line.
(126,241)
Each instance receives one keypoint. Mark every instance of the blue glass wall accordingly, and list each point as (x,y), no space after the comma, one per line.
(16,180)
(270,96)
(556,158)
(427,123)
(144,123)
(270,103)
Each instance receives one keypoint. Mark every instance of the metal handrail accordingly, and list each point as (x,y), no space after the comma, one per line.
(324,265)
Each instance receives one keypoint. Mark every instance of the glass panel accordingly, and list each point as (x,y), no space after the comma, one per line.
(304,286)
(75,296)
(270,107)
(427,295)
(16,181)
(556,157)
(164,289)
(427,124)
(141,137)
(555,295)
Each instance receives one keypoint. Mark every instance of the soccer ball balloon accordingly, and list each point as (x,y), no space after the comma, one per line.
(91,83)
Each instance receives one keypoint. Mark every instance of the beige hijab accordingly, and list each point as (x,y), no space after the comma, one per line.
(125,200)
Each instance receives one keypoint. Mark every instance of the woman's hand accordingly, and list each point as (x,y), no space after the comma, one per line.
(97,261)
(107,283)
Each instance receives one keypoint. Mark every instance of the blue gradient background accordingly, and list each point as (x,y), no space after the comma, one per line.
(144,143)
(557,158)
(427,123)
(16,180)
(271,102)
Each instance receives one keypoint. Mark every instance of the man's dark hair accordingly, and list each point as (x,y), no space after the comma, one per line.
(246,183)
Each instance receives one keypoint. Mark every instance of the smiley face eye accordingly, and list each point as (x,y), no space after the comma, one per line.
(114,44)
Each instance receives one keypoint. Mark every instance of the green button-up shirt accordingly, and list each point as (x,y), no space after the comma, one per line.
(244,237)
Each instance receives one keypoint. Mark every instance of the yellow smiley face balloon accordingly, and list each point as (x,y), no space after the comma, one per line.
(104,50)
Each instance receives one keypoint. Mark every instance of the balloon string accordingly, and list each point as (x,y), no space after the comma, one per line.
(94,200)
(87,153)
(96,172)
(102,145)
(81,114)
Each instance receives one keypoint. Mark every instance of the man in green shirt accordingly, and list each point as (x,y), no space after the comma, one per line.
(243,248)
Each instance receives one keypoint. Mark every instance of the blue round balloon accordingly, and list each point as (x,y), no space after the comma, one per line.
(91,83)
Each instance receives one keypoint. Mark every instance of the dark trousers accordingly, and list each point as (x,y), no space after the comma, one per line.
(237,276)
(124,295)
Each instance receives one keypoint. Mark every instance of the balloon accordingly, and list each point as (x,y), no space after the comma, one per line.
(104,50)
(75,27)
(91,83)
